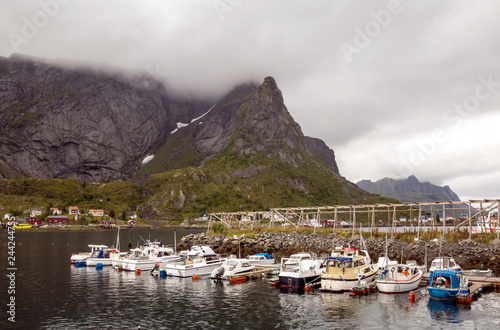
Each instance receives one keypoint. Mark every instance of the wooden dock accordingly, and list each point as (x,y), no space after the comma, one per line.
(494,281)
(477,285)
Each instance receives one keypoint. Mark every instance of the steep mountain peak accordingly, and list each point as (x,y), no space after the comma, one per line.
(265,125)
(412,179)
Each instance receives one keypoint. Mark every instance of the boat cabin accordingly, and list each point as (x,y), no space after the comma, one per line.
(445,279)
(444,263)
(294,259)
(259,256)
(237,263)
(343,265)
(102,253)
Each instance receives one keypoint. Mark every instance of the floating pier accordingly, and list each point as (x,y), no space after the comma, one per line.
(493,281)
(478,285)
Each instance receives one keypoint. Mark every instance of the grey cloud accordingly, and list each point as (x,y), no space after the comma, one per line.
(426,59)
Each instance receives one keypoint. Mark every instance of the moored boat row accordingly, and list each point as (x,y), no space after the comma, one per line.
(346,269)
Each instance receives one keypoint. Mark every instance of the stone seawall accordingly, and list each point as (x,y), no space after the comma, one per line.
(468,254)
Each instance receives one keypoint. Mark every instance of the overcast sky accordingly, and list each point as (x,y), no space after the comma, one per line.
(393,87)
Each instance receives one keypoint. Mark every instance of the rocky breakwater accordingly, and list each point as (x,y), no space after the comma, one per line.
(468,254)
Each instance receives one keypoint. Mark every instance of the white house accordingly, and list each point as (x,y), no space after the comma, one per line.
(55,210)
(35,212)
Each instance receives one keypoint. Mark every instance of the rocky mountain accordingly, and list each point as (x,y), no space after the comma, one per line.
(252,155)
(83,124)
(187,157)
(409,190)
(94,126)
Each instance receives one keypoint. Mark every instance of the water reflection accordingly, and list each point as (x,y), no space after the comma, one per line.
(443,310)
(52,294)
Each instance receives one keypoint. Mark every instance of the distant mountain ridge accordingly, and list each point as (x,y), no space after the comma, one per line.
(409,190)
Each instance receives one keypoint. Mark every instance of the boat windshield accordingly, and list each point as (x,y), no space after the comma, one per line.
(346,264)
(96,254)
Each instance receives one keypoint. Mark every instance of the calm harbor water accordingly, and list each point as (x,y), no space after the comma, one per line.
(52,294)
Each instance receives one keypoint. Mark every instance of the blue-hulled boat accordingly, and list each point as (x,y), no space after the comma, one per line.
(446,284)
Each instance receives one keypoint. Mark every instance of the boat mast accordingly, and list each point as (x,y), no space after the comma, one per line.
(402,249)
(118,240)
(175,241)
(386,261)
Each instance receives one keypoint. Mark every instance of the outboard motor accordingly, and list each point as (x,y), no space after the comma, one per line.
(219,273)
(155,268)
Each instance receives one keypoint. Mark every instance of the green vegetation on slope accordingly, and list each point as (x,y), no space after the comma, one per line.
(18,195)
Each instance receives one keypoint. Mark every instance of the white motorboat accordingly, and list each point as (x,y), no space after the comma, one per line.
(478,272)
(261,259)
(105,255)
(232,267)
(197,261)
(295,258)
(304,272)
(399,279)
(444,263)
(148,257)
(82,256)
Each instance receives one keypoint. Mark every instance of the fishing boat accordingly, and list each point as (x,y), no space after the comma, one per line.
(346,270)
(399,279)
(446,284)
(444,263)
(148,257)
(478,272)
(261,259)
(232,267)
(82,256)
(300,274)
(198,260)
